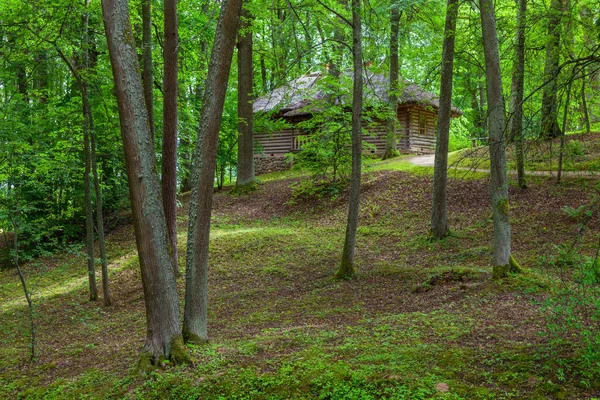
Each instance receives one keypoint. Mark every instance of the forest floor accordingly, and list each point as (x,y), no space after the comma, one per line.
(581,156)
(420,320)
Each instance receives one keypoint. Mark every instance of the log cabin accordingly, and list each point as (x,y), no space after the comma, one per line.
(296,102)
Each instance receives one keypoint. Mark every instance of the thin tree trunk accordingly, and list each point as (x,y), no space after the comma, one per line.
(170,118)
(496,124)
(550,128)
(88,126)
(245,167)
(516,105)
(482,111)
(439,210)
(100,223)
(89,211)
(562,136)
(163,336)
(346,268)
(584,106)
(391,140)
(24,283)
(148,70)
(203,173)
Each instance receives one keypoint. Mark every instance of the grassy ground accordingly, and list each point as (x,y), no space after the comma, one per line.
(581,153)
(421,319)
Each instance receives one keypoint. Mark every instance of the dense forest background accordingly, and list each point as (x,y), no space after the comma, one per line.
(42,163)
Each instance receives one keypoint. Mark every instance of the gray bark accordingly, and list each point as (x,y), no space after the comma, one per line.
(160,291)
(439,211)
(391,140)
(245,164)
(170,119)
(346,268)
(148,70)
(496,127)
(203,173)
(518,79)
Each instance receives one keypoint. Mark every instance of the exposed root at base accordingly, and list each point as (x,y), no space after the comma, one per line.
(192,338)
(178,354)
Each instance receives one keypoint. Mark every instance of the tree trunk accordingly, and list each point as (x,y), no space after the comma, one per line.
(496,126)
(100,223)
(346,268)
(562,137)
(203,173)
(550,128)
(585,111)
(391,140)
(516,104)
(15,227)
(169,144)
(439,211)
(163,336)
(87,130)
(245,166)
(148,70)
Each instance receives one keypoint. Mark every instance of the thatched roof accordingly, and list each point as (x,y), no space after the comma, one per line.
(293,98)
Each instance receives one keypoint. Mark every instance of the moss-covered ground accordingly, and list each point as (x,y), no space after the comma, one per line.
(420,320)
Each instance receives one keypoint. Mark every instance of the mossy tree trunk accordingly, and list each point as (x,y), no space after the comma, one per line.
(496,128)
(346,268)
(163,336)
(439,209)
(550,128)
(203,173)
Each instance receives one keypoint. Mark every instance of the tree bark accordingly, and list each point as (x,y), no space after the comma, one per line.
(439,210)
(170,119)
(550,128)
(245,167)
(203,173)
(496,127)
(346,269)
(562,137)
(100,223)
(391,140)
(87,151)
(163,336)
(584,106)
(518,79)
(148,70)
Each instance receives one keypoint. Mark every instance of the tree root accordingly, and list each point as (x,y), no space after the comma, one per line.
(192,338)
(178,354)
(502,271)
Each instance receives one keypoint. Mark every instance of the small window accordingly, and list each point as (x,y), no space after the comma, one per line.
(422,125)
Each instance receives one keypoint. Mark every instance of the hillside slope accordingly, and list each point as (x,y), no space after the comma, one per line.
(420,320)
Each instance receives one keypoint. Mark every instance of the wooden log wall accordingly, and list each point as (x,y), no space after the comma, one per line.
(410,135)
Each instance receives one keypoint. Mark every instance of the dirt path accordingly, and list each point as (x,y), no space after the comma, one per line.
(428,160)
